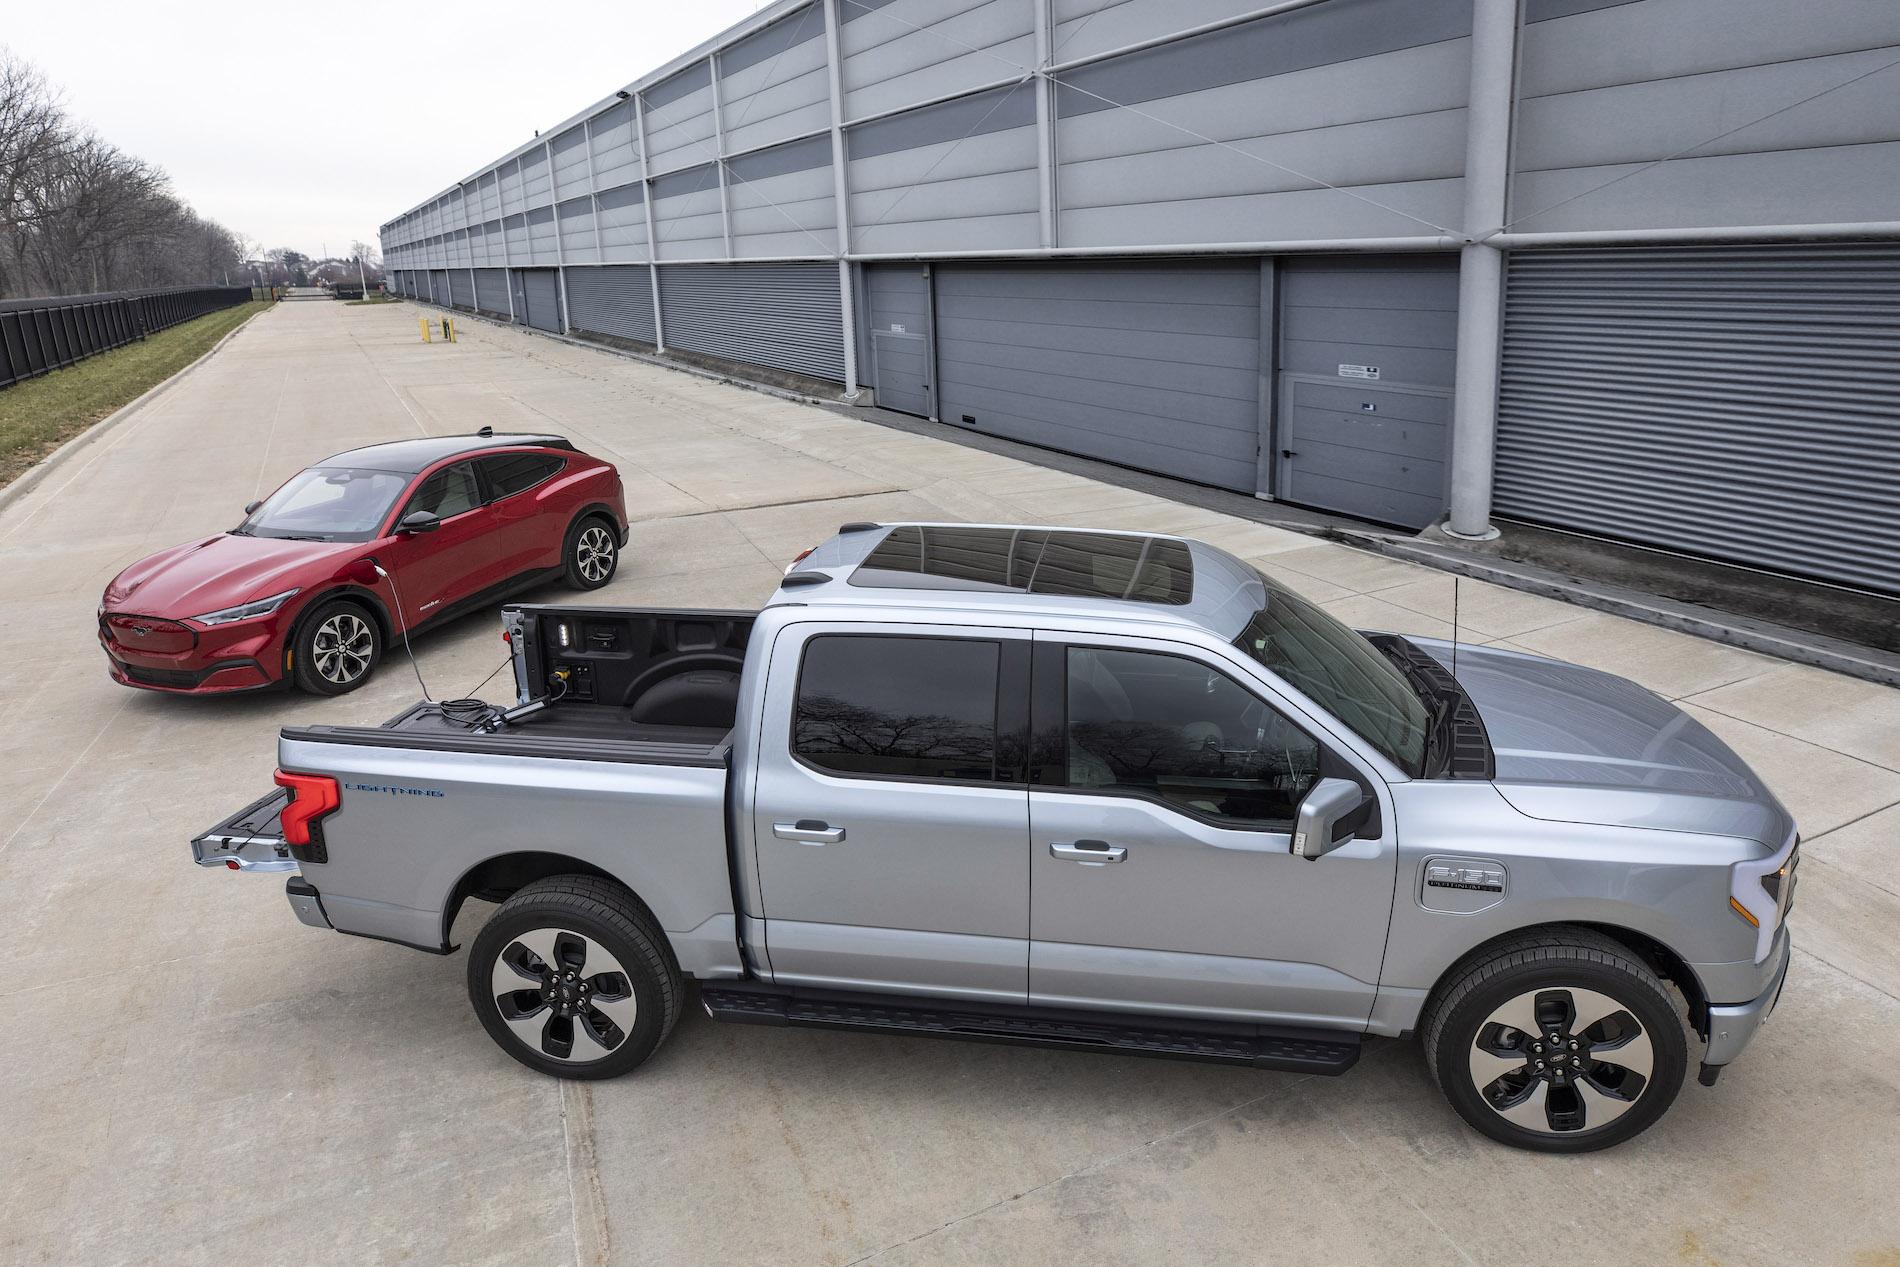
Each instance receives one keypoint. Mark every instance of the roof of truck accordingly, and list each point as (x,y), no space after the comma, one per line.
(1026,569)
(407,457)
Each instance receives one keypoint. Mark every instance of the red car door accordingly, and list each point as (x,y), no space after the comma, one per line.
(528,524)
(435,570)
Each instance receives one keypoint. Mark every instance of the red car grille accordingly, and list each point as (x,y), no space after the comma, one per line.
(149,633)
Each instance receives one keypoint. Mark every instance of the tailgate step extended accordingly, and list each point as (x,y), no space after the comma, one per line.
(1260,1047)
(250,840)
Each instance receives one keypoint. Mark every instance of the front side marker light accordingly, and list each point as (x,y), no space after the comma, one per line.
(1744,912)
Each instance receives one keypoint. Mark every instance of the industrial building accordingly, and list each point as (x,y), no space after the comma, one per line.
(1625,268)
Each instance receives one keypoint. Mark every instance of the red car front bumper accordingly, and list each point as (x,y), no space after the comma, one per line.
(156,654)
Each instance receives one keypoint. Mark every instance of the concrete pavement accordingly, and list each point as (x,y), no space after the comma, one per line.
(193,1077)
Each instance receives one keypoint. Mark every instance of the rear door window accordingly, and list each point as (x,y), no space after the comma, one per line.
(898,707)
(450,491)
(511,473)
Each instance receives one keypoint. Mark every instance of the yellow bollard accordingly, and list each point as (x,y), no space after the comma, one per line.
(424,323)
(448,330)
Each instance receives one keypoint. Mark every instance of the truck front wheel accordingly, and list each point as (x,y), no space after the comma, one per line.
(1561,1041)
(573,979)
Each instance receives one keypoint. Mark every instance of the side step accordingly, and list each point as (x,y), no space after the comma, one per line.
(1289,1050)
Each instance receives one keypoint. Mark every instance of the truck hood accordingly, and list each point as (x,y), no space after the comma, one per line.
(222,571)
(1579,745)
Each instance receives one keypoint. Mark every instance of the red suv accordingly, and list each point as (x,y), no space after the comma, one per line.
(359,550)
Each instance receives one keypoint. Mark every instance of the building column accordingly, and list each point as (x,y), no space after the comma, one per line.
(1474,417)
(841,200)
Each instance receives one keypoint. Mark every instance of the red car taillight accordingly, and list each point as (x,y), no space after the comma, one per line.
(312,796)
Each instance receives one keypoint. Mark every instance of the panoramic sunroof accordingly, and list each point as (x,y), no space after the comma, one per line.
(1031,561)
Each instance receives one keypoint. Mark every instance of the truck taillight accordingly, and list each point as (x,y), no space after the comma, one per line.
(801,556)
(312,796)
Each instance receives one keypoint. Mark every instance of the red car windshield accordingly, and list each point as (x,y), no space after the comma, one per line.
(327,504)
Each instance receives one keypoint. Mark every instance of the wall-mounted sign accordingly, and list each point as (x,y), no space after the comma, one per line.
(896,329)
(1359,371)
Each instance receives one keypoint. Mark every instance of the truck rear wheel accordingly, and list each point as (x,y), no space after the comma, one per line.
(572,978)
(1562,1041)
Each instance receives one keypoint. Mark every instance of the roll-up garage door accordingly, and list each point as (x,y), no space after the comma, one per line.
(614,299)
(543,293)
(439,280)
(461,288)
(786,316)
(1154,366)
(491,291)
(1738,403)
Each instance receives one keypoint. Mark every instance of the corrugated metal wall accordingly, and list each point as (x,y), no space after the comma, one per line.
(787,316)
(461,288)
(543,293)
(1741,403)
(615,300)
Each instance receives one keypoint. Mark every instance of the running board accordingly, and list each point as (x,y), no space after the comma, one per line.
(1309,1051)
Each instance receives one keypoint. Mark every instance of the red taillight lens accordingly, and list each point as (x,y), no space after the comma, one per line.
(802,555)
(311,797)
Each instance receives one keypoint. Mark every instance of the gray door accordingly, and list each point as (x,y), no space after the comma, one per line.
(1741,403)
(439,286)
(1161,873)
(897,310)
(491,291)
(1150,365)
(543,292)
(785,316)
(890,847)
(462,288)
(613,299)
(1368,345)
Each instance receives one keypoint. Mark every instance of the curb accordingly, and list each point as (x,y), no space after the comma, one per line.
(1779,641)
(64,453)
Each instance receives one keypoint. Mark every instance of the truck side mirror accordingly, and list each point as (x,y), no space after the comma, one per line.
(1319,826)
(419,521)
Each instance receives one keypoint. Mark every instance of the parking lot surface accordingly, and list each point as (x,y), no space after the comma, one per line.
(191,1076)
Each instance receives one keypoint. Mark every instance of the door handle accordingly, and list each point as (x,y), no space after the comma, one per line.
(809,831)
(1093,853)
(1289,453)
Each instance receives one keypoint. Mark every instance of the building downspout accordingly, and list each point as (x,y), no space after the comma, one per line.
(1474,420)
(841,201)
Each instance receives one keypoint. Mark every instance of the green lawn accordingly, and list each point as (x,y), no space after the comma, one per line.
(41,414)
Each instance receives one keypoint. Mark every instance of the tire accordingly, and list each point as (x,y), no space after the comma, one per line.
(582,1023)
(591,554)
(1631,1057)
(336,648)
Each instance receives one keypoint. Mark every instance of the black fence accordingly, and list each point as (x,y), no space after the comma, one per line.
(41,335)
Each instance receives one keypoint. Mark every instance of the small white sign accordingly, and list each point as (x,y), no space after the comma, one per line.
(896,329)
(1359,371)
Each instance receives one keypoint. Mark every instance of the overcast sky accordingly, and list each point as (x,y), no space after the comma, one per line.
(256,111)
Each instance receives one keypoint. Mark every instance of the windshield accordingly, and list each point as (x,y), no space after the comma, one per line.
(1341,672)
(327,504)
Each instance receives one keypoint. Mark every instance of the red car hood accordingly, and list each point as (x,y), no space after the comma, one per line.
(223,571)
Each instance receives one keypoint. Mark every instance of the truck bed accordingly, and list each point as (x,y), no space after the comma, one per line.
(573,731)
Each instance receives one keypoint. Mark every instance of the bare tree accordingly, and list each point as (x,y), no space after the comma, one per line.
(79,214)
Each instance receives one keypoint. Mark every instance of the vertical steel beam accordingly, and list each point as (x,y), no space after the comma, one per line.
(593,188)
(841,198)
(1474,415)
(646,205)
(719,151)
(560,248)
(1045,123)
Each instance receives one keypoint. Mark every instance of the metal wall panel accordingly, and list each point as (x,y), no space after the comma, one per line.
(576,226)
(491,291)
(773,84)
(954,177)
(623,223)
(901,52)
(1607,91)
(541,288)
(537,185)
(616,156)
(787,316)
(543,247)
(615,300)
(570,163)
(461,288)
(687,223)
(1738,403)
(782,200)
(680,120)
(1152,365)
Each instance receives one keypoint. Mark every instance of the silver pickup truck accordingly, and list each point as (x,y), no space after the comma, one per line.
(1064,788)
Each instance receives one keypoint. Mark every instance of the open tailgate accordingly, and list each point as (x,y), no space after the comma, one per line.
(249,840)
